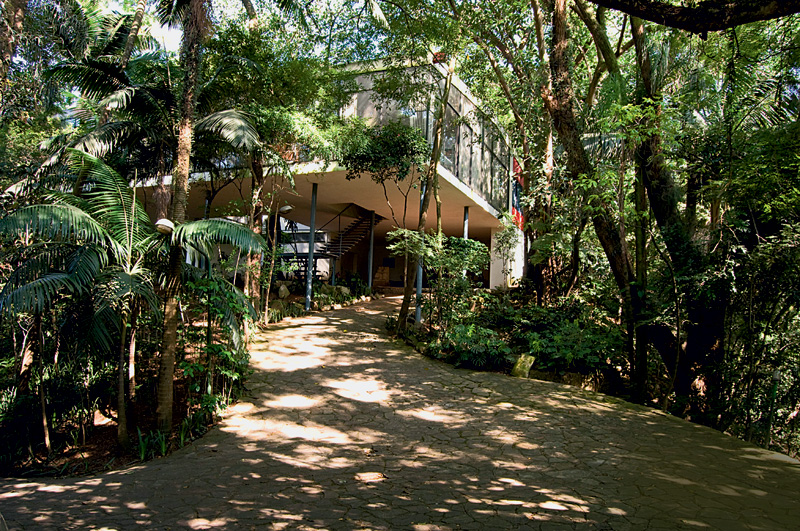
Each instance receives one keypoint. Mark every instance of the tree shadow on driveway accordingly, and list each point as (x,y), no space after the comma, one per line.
(346,428)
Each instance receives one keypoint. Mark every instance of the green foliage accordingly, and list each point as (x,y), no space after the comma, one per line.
(353,281)
(475,347)
(152,444)
(506,241)
(450,262)
(281,310)
(563,340)
(387,152)
(451,330)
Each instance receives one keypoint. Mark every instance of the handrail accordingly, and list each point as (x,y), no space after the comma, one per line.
(336,216)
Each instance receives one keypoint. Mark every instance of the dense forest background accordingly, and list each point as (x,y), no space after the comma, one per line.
(660,166)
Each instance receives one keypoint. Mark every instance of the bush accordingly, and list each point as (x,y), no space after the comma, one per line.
(475,347)
(567,338)
(355,283)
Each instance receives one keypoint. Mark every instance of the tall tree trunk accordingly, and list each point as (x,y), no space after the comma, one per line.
(431,180)
(705,310)
(640,331)
(39,341)
(10,29)
(705,16)
(161,199)
(190,51)
(132,353)
(542,211)
(560,104)
(273,230)
(664,194)
(26,359)
(133,34)
(251,11)
(122,378)
(253,281)
(169,341)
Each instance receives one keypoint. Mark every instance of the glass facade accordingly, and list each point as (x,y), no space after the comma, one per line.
(473,149)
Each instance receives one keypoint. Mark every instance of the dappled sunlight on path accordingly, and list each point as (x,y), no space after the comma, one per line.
(345,428)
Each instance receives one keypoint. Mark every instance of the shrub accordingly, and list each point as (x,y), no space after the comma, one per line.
(472,346)
(567,338)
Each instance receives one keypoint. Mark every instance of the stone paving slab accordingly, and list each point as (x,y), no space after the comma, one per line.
(345,428)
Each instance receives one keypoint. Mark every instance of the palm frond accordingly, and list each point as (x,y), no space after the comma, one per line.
(114,202)
(51,268)
(94,78)
(376,12)
(208,231)
(110,41)
(604,145)
(38,260)
(294,9)
(116,289)
(66,198)
(233,126)
(172,12)
(85,264)
(232,320)
(37,295)
(55,222)
(103,324)
(118,99)
(107,137)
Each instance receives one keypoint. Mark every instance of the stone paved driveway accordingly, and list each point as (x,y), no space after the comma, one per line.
(344,428)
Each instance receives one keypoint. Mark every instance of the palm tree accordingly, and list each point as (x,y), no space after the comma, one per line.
(101,244)
(191,15)
(102,240)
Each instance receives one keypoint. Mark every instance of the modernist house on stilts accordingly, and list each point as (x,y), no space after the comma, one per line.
(348,219)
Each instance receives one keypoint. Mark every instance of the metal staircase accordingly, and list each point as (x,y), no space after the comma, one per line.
(338,245)
(349,237)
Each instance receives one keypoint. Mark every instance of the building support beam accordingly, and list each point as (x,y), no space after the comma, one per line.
(312,240)
(418,306)
(466,222)
(371,255)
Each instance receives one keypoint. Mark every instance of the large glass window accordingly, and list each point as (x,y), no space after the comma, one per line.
(485,179)
(449,141)
(465,154)
(499,180)
(475,167)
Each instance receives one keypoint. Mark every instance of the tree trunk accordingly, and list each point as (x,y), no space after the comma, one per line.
(133,34)
(664,194)
(273,230)
(122,377)
(705,311)
(10,29)
(640,331)
(161,199)
(253,282)
(39,341)
(132,354)
(190,51)
(169,342)
(251,11)
(431,180)
(560,105)
(705,16)
(26,362)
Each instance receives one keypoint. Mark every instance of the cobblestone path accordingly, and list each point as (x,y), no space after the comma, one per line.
(344,428)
